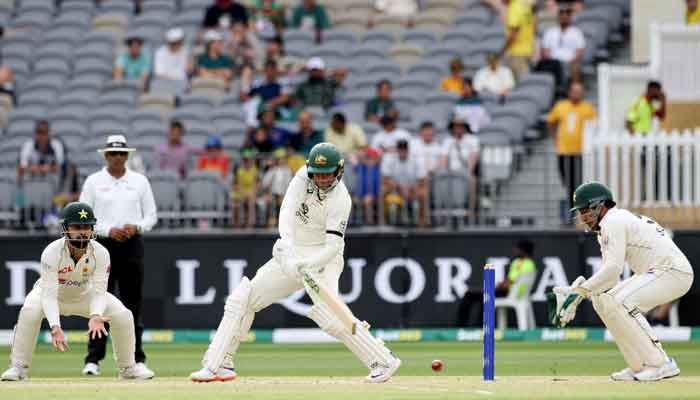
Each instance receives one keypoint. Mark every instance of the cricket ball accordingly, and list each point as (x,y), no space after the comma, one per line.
(437,365)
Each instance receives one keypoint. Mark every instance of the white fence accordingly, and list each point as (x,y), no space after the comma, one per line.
(657,169)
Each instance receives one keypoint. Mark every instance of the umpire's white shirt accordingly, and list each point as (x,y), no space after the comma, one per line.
(117,202)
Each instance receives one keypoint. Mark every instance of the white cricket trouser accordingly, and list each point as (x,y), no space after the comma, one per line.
(31,315)
(648,290)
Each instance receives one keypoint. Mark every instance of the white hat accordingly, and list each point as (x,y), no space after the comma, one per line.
(212,35)
(174,35)
(315,63)
(116,143)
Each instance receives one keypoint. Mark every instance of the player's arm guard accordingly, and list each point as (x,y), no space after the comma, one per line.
(563,301)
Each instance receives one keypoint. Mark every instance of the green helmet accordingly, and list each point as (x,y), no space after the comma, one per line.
(591,194)
(77,213)
(325,158)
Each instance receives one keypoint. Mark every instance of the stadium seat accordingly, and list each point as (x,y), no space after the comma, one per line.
(166,191)
(9,214)
(340,38)
(384,37)
(204,195)
(425,38)
(450,195)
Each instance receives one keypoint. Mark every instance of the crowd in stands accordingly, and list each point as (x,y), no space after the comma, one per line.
(290,103)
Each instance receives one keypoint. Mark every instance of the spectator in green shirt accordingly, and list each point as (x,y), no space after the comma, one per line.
(213,63)
(310,15)
(319,91)
(381,105)
(521,264)
(134,63)
(645,107)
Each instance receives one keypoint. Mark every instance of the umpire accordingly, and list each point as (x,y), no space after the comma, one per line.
(124,207)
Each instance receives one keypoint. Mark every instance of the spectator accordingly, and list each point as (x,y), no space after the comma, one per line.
(172,61)
(406,176)
(277,136)
(692,13)
(271,93)
(42,155)
(386,139)
(494,78)
(287,65)
(426,149)
(520,36)
(134,63)
(274,185)
(399,8)
(224,13)
(521,264)
(7,81)
(307,137)
(260,141)
(243,47)
(369,182)
(645,107)
(245,188)
(174,155)
(214,158)
(471,109)
(565,123)
(213,63)
(461,154)
(268,19)
(69,187)
(382,104)
(562,47)
(349,138)
(455,81)
(319,91)
(311,16)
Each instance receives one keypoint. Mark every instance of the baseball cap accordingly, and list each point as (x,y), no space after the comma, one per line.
(213,141)
(174,35)
(212,35)
(315,63)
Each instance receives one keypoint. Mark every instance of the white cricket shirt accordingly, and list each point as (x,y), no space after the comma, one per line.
(65,281)
(117,202)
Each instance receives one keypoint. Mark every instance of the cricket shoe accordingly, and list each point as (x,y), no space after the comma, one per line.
(668,370)
(382,373)
(206,375)
(14,374)
(625,375)
(91,369)
(136,371)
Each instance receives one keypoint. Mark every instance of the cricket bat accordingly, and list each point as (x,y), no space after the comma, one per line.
(340,309)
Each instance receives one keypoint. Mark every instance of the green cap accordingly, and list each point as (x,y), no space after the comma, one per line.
(77,213)
(589,194)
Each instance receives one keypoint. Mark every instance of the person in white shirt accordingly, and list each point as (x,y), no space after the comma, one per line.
(73,281)
(405,176)
(172,62)
(494,78)
(274,184)
(565,44)
(308,254)
(386,139)
(461,155)
(125,208)
(426,150)
(662,273)
(42,155)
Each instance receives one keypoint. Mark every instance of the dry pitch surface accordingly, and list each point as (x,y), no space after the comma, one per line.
(524,371)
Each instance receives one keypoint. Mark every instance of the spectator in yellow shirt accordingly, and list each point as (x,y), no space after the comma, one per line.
(520,36)
(455,81)
(692,12)
(645,107)
(565,122)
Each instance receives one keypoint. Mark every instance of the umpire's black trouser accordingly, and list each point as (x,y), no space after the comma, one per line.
(126,273)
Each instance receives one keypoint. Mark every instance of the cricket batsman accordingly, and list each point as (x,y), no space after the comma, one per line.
(309,255)
(74,272)
(662,274)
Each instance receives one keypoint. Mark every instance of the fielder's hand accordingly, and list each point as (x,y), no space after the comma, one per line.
(58,339)
(96,327)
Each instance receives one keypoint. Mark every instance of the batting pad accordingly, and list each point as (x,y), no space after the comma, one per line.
(123,338)
(634,337)
(235,311)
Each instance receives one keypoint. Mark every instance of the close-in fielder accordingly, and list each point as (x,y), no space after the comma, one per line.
(312,223)
(662,274)
(74,273)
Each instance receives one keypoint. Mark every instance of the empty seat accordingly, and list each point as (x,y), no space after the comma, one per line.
(204,194)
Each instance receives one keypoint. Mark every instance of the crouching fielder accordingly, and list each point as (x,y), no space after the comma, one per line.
(662,274)
(74,272)
(309,254)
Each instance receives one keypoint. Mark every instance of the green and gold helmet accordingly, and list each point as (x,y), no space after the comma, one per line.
(77,213)
(591,194)
(325,158)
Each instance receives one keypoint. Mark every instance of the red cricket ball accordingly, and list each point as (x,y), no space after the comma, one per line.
(437,365)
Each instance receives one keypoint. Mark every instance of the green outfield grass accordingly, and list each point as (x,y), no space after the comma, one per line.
(544,370)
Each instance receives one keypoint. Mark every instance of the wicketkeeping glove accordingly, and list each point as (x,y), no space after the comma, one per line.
(563,300)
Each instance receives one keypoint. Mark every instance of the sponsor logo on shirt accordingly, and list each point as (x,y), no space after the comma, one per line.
(66,269)
(303,213)
(70,282)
